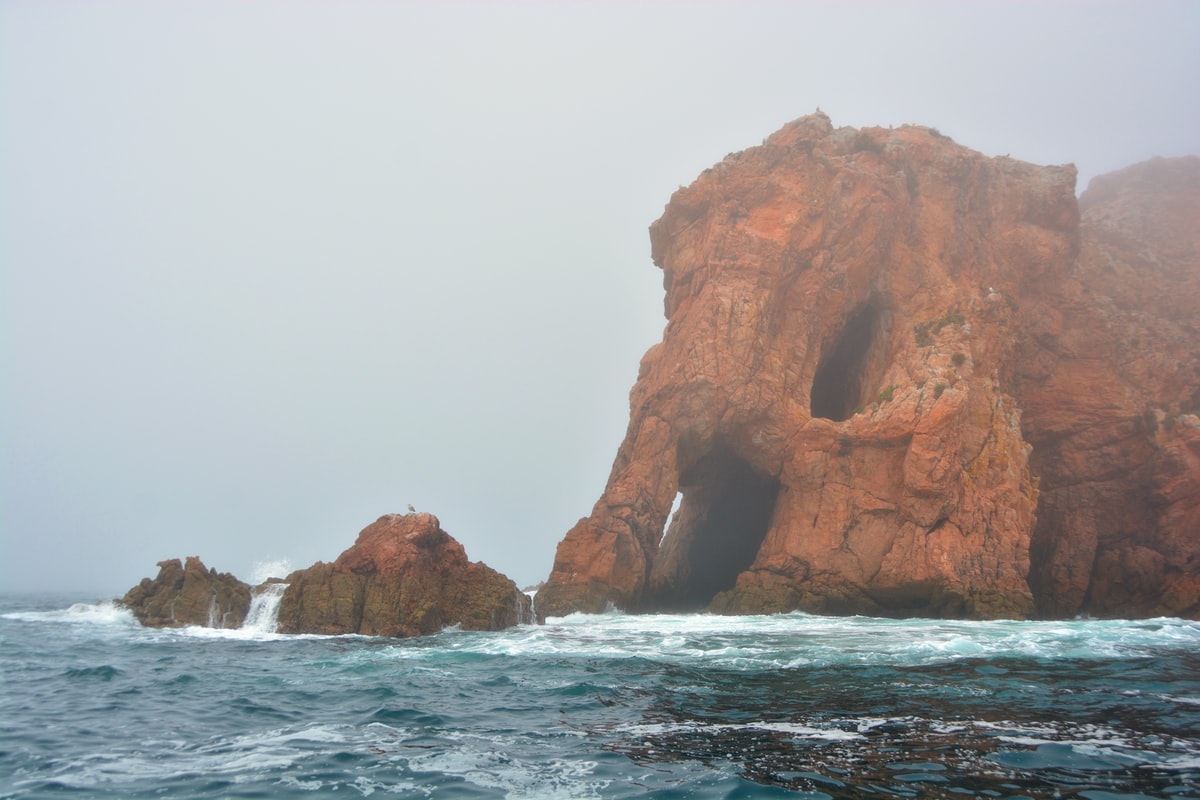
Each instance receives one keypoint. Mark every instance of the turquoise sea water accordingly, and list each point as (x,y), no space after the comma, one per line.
(610,706)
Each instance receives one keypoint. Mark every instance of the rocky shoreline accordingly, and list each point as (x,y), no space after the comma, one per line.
(898,378)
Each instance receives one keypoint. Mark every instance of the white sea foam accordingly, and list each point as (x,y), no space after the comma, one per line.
(742,642)
(796,730)
(1117,747)
(491,762)
(794,640)
(241,634)
(103,613)
(237,758)
(788,640)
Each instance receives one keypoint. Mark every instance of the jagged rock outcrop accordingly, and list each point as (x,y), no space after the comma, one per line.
(895,371)
(189,594)
(404,576)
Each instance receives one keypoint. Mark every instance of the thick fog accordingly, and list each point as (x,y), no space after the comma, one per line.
(269,270)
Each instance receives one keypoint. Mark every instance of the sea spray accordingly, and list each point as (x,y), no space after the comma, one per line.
(264,571)
(263,616)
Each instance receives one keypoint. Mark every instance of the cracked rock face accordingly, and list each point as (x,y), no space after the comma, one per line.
(872,380)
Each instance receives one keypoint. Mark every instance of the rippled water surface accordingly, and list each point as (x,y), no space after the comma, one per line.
(92,705)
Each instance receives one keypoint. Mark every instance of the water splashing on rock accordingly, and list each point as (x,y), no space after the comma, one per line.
(263,616)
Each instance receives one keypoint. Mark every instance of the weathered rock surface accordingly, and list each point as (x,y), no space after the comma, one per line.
(895,371)
(189,594)
(1109,378)
(404,576)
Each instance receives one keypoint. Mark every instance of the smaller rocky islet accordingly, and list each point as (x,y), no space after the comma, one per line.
(403,576)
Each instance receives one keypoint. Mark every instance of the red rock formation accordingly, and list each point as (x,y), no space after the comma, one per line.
(404,576)
(190,594)
(857,321)
(1109,377)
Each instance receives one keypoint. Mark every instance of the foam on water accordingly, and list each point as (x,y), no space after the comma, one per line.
(238,758)
(103,613)
(793,640)
(489,762)
(795,730)
(609,706)
(751,642)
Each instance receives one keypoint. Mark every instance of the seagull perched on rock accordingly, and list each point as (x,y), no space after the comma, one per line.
(411,510)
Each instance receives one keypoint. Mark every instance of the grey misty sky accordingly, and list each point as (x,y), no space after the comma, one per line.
(271,269)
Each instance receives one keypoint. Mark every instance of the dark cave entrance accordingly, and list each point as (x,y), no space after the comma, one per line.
(726,512)
(837,388)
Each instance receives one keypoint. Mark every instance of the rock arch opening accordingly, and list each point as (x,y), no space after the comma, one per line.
(725,514)
(839,384)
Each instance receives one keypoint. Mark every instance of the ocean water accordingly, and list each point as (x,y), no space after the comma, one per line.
(609,706)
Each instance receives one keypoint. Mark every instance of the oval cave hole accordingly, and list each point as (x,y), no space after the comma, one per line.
(837,388)
(728,506)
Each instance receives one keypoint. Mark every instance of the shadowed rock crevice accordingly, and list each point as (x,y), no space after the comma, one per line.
(839,386)
(726,511)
